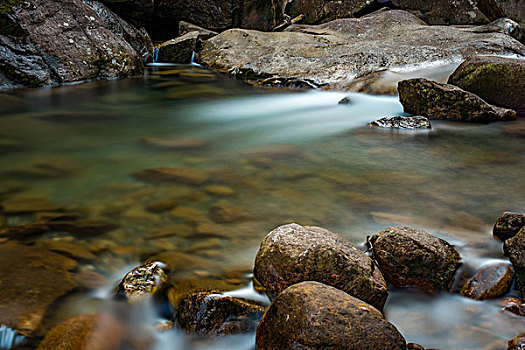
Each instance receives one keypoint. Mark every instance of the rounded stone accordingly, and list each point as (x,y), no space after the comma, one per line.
(293,253)
(489,282)
(508,225)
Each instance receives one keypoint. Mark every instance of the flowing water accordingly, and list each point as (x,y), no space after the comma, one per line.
(275,157)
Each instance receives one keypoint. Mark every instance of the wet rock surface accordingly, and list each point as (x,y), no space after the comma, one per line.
(402,122)
(143,281)
(39,278)
(497,80)
(312,315)
(213,313)
(88,42)
(489,282)
(90,331)
(413,258)
(293,253)
(513,248)
(517,343)
(445,101)
(331,53)
(508,225)
(179,50)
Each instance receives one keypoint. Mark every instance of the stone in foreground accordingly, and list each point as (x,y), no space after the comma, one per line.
(413,258)
(508,225)
(445,101)
(293,253)
(402,122)
(143,281)
(213,313)
(312,315)
(517,343)
(498,80)
(514,248)
(490,282)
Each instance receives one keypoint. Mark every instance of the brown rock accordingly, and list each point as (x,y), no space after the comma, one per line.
(162,205)
(444,101)
(188,176)
(223,212)
(180,289)
(178,50)
(413,258)
(23,231)
(513,248)
(143,281)
(218,190)
(212,313)
(85,332)
(30,205)
(186,27)
(490,282)
(513,305)
(90,280)
(508,225)
(75,250)
(311,315)
(517,343)
(170,143)
(31,280)
(82,228)
(292,253)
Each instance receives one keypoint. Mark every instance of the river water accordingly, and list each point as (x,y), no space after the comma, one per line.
(275,157)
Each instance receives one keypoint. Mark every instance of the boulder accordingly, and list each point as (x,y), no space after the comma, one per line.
(444,101)
(188,176)
(513,248)
(498,80)
(143,281)
(402,122)
(178,50)
(490,282)
(137,12)
(322,11)
(515,10)
(85,332)
(51,42)
(293,253)
(447,11)
(312,315)
(213,313)
(332,54)
(508,225)
(262,15)
(32,279)
(186,27)
(413,258)
(517,343)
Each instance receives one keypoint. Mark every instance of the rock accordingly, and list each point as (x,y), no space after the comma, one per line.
(498,80)
(89,42)
(402,122)
(90,331)
(218,190)
(84,228)
(223,212)
(170,143)
(178,262)
(30,205)
(445,11)
(413,258)
(137,12)
(73,250)
(292,253)
(517,343)
(32,279)
(514,305)
(445,101)
(513,249)
(143,281)
(23,231)
(162,205)
(508,225)
(186,27)
(212,313)
(90,280)
(189,215)
(262,15)
(312,315)
(178,50)
(180,289)
(188,176)
(332,54)
(515,9)
(322,11)
(414,346)
(490,282)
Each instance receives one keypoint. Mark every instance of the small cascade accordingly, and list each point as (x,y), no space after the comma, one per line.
(192,61)
(9,338)
(155,54)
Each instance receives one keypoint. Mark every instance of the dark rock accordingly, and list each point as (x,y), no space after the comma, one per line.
(498,80)
(322,11)
(90,331)
(212,313)
(445,11)
(414,346)
(413,258)
(179,50)
(143,281)
(312,315)
(513,248)
(30,205)
(445,101)
(88,42)
(23,231)
(333,53)
(73,250)
(292,253)
(262,15)
(32,279)
(517,343)
(490,282)
(178,290)
(402,122)
(137,12)
(508,225)
(345,101)
(170,143)
(81,227)
(162,205)
(223,212)
(515,9)
(514,305)
(185,28)
(188,176)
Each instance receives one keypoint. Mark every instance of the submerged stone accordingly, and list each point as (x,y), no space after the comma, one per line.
(30,205)
(169,143)
(508,225)
(293,253)
(311,315)
(444,101)
(490,282)
(402,122)
(413,258)
(190,176)
(223,212)
(143,281)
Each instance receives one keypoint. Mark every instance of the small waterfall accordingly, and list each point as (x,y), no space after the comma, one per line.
(9,338)
(155,54)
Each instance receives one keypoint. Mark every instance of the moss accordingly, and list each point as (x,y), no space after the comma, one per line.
(6,6)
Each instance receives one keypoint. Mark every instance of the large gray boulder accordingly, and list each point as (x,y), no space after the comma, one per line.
(47,42)
(332,54)
(293,253)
